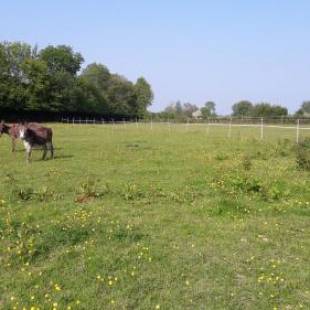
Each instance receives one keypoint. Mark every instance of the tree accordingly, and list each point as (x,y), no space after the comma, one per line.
(121,97)
(208,110)
(267,110)
(95,80)
(97,75)
(61,58)
(188,109)
(242,108)
(48,80)
(62,67)
(13,80)
(304,109)
(38,83)
(144,96)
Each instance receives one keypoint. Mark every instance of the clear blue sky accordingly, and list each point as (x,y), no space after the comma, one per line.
(189,50)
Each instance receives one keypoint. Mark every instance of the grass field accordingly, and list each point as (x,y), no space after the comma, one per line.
(134,218)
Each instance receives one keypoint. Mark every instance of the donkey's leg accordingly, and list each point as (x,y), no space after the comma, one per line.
(51,148)
(44,151)
(28,148)
(13,144)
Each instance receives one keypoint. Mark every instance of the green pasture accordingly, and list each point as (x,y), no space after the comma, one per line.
(158,216)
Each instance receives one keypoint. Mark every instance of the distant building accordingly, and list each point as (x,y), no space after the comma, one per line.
(197,114)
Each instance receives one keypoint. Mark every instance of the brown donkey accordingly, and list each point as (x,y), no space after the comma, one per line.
(14,130)
(37,136)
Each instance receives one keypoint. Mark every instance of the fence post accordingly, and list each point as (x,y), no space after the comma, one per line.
(169,126)
(229,128)
(151,123)
(208,126)
(187,124)
(262,128)
(297,132)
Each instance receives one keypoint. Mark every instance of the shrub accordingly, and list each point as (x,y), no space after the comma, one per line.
(89,190)
(303,155)
(246,162)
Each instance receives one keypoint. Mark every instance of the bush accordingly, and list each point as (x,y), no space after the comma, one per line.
(303,155)
(246,162)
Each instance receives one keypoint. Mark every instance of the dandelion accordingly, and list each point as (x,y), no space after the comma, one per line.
(157,307)
(187,282)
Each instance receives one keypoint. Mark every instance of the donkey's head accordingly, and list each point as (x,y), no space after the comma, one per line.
(3,128)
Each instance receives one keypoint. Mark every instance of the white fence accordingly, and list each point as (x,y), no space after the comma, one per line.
(297,125)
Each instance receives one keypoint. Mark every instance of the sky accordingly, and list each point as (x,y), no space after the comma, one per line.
(193,51)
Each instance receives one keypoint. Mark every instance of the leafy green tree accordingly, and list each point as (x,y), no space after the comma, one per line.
(144,96)
(174,110)
(49,81)
(242,108)
(13,79)
(61,58)
(304,109)
(38,83)
(267,110)
(208,110)
(121,97)
(62,67)
(188,109)
(95,81)
(98,75)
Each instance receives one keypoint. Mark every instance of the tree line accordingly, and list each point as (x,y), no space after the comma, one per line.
(50,82)
(244,108)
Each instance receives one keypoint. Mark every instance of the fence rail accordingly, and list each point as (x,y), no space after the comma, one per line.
(297,124)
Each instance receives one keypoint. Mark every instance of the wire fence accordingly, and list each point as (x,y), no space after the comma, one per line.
(291,126)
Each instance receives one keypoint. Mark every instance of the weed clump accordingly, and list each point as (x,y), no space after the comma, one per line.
(246,162)
(89,190)
(303,155)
